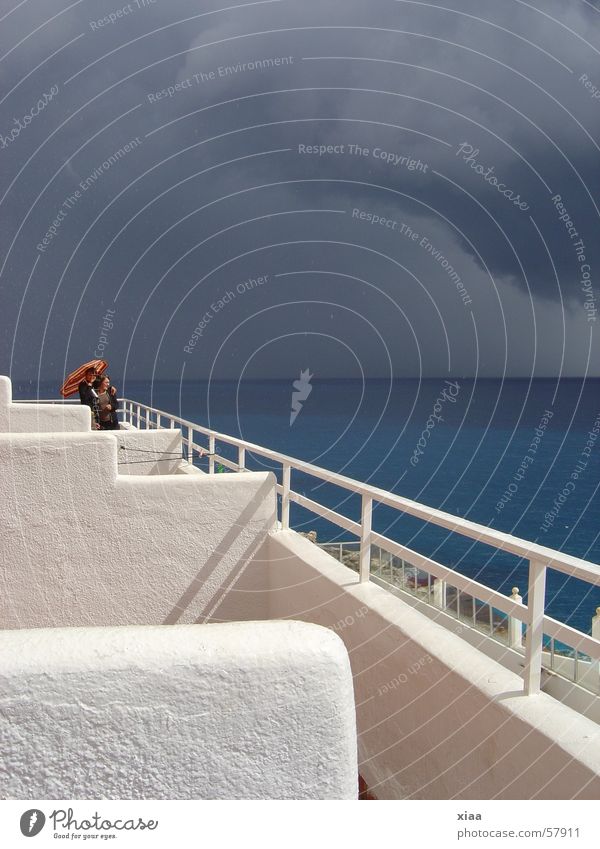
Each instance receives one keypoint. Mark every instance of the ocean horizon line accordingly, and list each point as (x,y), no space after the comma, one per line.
(315,379)
(356,380)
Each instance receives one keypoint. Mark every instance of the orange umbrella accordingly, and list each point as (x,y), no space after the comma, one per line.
(72,382)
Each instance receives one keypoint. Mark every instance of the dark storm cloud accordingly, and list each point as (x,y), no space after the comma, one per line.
(190,129)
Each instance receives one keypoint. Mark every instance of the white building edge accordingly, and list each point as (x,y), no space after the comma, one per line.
(114,555)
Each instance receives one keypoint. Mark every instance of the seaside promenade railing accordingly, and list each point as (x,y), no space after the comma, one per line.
(443,587)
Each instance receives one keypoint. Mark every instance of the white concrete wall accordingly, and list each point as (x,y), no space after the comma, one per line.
(35,418)
(437,719)
(148,452)
(238,711)
(81,544)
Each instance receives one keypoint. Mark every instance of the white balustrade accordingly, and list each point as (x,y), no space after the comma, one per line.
(190,446)
(211,453)
(540,558)
(285,495)
(596,636)
(515,626)
(439,593)
(534,641)
(366,537)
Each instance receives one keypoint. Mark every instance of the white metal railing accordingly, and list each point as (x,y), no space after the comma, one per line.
(479,608)
(540,558)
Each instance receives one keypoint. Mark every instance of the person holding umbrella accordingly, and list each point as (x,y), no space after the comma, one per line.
(89,396)
(82,380)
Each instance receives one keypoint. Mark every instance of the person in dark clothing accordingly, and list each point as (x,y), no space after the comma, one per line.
(89,396)
(107,413)
(115,405)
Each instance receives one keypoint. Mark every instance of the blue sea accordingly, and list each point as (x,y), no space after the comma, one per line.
(520,456)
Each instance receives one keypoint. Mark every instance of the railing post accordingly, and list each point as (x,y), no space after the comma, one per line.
(211,451)
(147,419)
(596,636)
(286,477)
(366,515)
(439,593)
(241,458)
(138,415)
(190,446)
(515,626)
(535,627)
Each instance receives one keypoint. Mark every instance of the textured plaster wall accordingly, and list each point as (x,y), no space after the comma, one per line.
(35,418)
(148,452)
(81,544)
(437,719)
(250,711)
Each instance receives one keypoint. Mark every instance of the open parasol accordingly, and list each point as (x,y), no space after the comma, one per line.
(72,382)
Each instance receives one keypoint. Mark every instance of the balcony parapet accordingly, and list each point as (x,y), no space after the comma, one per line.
(36,417)
(261,710)
(83,543)
(538,626)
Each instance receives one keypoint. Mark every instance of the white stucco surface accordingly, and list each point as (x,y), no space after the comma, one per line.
(437,719)
(35,418)
(148,452)
(82,544)
(237,711)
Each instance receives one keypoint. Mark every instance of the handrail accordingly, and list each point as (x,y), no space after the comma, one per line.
(464,584)
(540,557)
(567,563)
(512,607)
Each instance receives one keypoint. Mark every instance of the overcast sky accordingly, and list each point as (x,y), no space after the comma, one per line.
(199,190)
